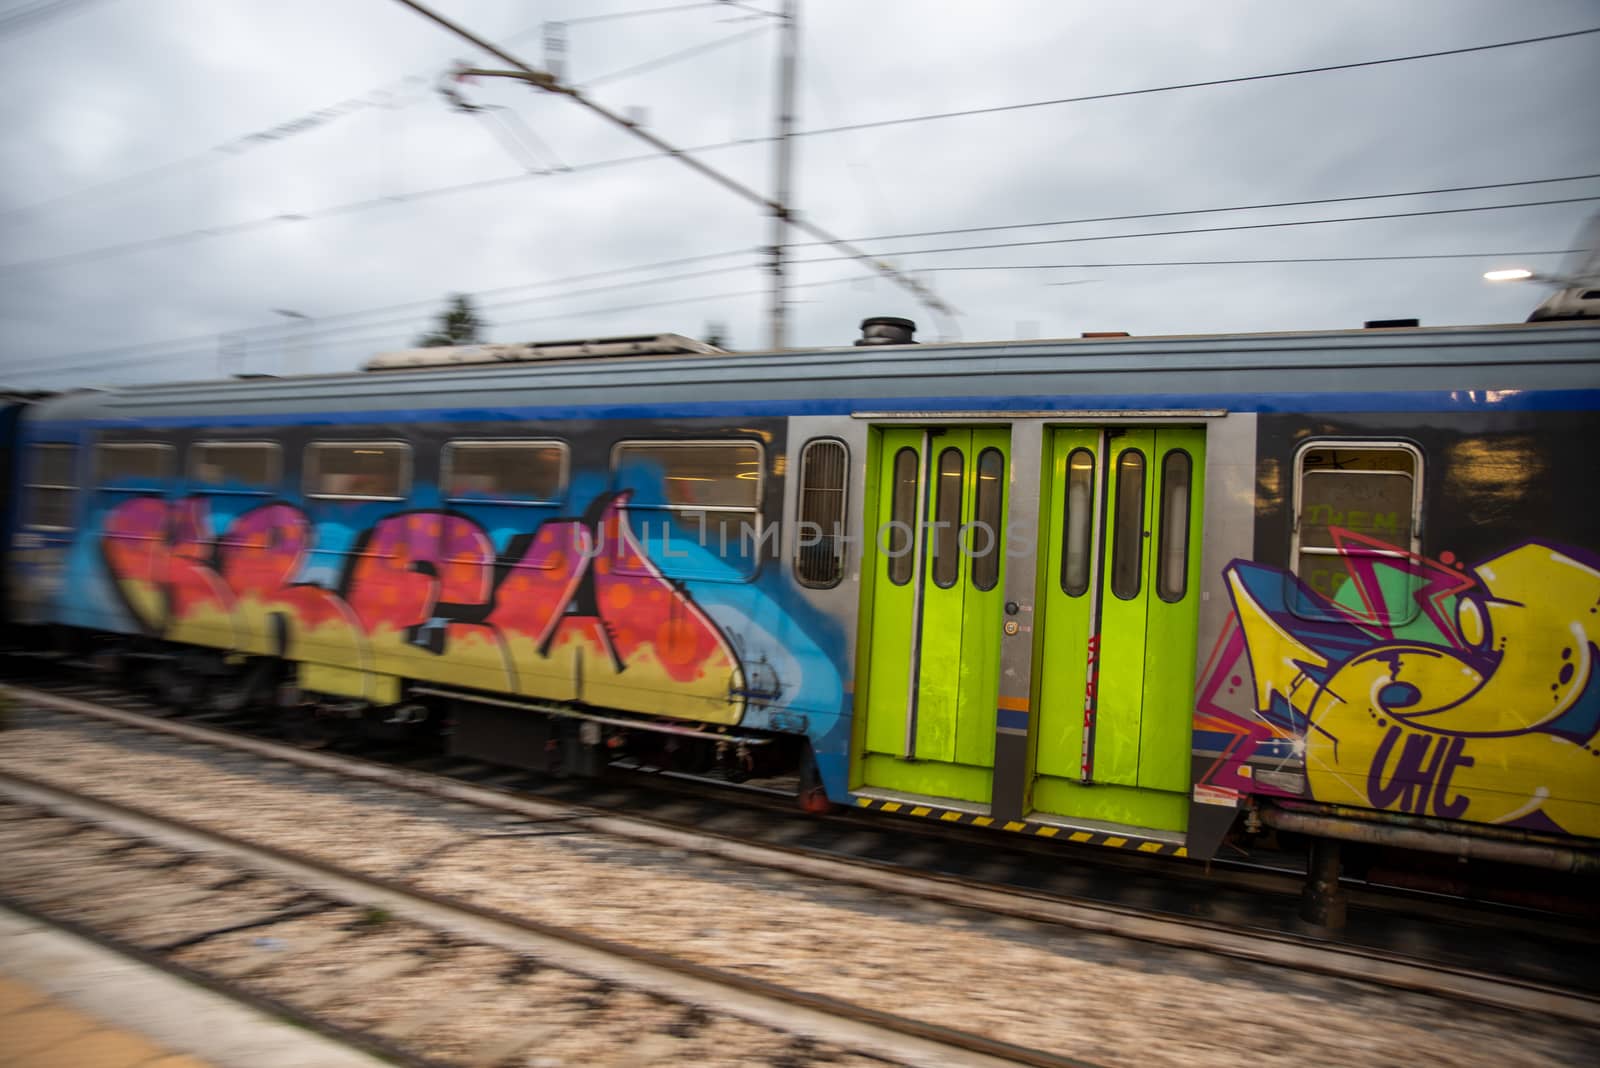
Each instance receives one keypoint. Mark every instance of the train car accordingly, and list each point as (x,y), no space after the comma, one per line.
(1138,592)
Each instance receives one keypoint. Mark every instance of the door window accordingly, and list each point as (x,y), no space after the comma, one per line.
(947,519)
(984,539)
(1128,537)
(1077,523)
(902,518)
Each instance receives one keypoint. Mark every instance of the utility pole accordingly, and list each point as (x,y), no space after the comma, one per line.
(782,167)
(544,80)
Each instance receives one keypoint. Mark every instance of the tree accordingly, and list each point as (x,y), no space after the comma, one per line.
(458,325)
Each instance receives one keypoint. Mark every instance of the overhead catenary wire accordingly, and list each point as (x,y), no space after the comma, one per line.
(1212,229)
(208,233)
(549,83)
(674,57)
(1348,199)
(276,331)
(678,301)
(374,97)
(1244,262)
(205,346)
(378,97)
(996,109)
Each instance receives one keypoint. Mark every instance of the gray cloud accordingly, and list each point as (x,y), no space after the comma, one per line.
(123,87)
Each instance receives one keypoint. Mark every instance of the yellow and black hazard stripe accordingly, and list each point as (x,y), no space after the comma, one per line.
(1030,827)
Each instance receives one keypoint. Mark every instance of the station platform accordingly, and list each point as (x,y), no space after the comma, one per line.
(40,1031)
(66,1002)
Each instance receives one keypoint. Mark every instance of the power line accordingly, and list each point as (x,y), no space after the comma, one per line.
(1054,102)
(778,209)
(1212,211)
(276,332)
(1212,229)
(637,12)
(1232,263)
(674,57)
(210,353)
(207,233)
(378,96)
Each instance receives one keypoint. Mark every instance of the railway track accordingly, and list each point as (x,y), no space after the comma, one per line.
(1564,986)
(314,940)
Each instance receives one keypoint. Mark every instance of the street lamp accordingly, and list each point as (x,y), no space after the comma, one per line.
(302,317)
(1522,274)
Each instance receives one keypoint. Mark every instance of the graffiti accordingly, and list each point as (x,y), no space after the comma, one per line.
(574,610)
(1425,687)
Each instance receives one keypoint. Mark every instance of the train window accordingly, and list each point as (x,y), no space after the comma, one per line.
(52,487)
(1357,499)
(819,546)
(1127,543)
(898,545)
(712,492)
(985,536)
(1172,546)
(1076,523)
(947,519)
(133,465)
(694,475)
(358,470)
(235,466)
(505,472)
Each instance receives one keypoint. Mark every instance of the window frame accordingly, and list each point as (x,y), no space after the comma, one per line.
(758,510)
(801,488)
(988,565)
(196,486)
(563,481)
(1416,475)
(1164,529)
(169,476)
(407,470)
(1125,540)
(947,563)
(897,575)
(28,484)
(1078,589)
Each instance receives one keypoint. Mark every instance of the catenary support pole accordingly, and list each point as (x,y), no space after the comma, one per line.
(782,167)
(544,80)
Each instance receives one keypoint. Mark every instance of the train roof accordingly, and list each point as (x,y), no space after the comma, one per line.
(1226,371)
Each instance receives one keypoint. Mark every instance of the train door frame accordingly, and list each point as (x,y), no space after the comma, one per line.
(933,623)
(1228,475)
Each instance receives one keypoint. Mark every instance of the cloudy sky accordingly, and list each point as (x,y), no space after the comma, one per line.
(177,173)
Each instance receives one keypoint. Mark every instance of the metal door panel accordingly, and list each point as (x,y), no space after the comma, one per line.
(1123,588)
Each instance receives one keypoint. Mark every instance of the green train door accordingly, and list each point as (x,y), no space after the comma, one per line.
(1119,624)
(938,581)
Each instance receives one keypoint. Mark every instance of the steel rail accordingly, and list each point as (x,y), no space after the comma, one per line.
(1306,954)
(265,1004)
(424,904)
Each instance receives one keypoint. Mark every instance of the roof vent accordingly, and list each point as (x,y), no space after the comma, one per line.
(1390,324)
(887,330)
(1106,333)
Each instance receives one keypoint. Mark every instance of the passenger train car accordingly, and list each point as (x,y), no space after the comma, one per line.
(1140,592)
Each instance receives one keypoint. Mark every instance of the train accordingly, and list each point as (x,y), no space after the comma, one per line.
(1147,593)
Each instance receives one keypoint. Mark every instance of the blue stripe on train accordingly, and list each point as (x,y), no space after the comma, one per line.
(1415,401)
